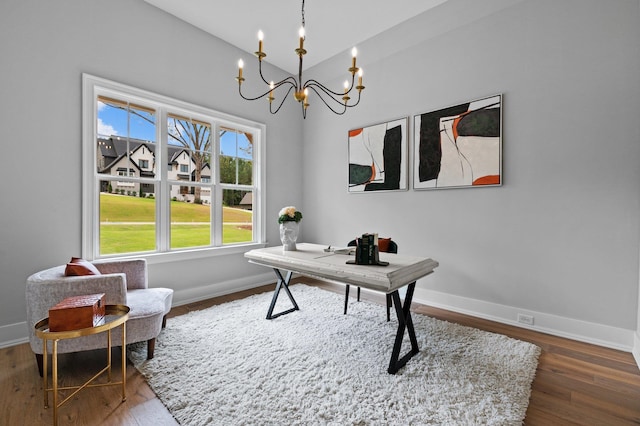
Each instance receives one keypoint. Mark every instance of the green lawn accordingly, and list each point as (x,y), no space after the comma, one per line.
(127,224)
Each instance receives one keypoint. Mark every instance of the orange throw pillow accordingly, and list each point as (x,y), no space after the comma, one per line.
(79,266)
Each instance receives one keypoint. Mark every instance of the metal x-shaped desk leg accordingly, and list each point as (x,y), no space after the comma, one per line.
(404,322)
(282,283)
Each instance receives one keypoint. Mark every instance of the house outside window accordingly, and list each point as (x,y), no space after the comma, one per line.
(194,202)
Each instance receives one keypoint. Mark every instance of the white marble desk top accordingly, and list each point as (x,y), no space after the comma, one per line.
(312,260)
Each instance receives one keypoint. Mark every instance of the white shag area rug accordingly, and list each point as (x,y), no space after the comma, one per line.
(228,365)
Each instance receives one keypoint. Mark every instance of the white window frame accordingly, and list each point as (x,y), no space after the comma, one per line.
(92,87)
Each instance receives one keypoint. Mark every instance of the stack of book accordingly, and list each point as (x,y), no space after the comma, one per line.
(367,249)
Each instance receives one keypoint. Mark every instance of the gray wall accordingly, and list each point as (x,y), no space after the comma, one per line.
(559,240)
(45,47)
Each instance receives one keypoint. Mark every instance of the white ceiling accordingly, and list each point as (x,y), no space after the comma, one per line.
(332,26)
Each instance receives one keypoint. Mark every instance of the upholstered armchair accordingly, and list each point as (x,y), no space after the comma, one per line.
(122,281)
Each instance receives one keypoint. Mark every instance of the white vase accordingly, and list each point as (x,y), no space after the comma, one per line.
(289,235)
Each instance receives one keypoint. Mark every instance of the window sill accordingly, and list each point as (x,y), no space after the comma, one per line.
(178,256)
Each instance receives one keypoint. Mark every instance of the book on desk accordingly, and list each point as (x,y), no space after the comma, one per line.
(367,251)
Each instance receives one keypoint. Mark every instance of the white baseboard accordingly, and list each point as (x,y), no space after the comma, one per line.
(13,334)
(636,348)
(584,331)
(182,297)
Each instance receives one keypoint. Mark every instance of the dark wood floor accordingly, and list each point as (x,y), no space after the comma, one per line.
(576,383)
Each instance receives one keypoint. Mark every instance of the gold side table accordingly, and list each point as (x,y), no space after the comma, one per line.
(115,315)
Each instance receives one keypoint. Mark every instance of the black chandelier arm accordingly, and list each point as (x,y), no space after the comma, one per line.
(291,79)
(251,99)
(332,95)
(357,102)
(313,82)
(329,93)
(275,86)
(342,103)
(284,98)
(260,72)
(320,95)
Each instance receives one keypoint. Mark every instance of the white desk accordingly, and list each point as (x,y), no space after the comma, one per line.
(311,260)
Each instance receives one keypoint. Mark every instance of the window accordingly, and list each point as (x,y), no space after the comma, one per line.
(207,196)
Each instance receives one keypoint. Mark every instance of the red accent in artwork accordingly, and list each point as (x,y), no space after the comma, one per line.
(487,180)
(354,132)
(455,126)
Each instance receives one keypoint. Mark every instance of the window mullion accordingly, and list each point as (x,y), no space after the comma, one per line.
(216,190)
(258,176)
(163,214)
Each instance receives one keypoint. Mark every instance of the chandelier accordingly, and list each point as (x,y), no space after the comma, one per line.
(337,102)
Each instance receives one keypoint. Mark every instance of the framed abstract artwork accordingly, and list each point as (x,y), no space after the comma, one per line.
(378,157)
(459,146)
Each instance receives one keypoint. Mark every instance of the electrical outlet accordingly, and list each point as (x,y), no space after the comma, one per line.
(525,319)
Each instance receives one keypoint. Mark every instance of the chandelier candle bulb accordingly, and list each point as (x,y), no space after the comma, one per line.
(346,98)
(260,38)
(301,33)
(354,53)
(360,79)
(240,66)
